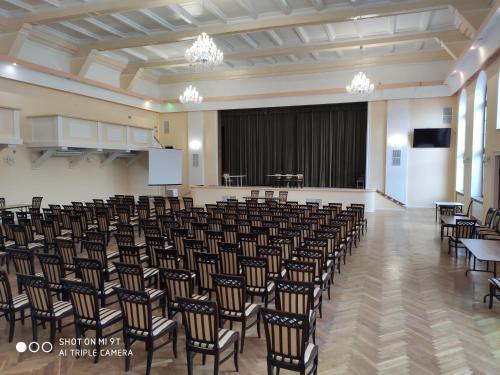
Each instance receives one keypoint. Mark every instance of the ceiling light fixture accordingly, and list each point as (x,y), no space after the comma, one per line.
(360,85)
(204,52)
(190,96)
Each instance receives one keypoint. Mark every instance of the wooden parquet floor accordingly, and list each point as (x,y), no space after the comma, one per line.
(401,305)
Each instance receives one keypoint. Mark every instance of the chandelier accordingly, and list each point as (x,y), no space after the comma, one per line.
(360,85)
(204,52)
(190,96)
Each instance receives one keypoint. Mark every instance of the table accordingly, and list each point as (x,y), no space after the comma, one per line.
(440,204)
(238,177)
(276,175)
(484,251)
(262,198)
(451,221)
(15,206)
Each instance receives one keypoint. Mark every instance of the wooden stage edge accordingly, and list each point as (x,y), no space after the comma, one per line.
(372,200)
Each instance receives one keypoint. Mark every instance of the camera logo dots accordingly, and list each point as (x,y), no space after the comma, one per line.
(34,347)
(21,347)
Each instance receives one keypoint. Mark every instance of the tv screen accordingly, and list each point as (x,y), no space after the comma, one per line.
(431,138)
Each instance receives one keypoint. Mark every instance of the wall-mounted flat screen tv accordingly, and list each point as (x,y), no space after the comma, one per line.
(431,138)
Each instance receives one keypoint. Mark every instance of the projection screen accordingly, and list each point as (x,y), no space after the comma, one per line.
(165,166)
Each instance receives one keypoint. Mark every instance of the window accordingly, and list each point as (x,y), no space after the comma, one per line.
(462,114)
(478,137)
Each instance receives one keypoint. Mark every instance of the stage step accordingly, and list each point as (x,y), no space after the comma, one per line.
(393,200)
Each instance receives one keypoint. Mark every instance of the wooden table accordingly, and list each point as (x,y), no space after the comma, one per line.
(484,251)
(442,204)
(451,220)
(262,198)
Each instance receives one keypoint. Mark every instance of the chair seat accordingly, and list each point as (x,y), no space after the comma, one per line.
(226,338)
(38,237)
(112,254)
(66,232)
(160,325)
(92,227)
(154,293)
(9,243)
(150,272)
(18,302)
(250,309)
(310,353)
(269,289)
(106,317)
(199,297)
(60,310)
(109,288)
(495,281)
(34,245)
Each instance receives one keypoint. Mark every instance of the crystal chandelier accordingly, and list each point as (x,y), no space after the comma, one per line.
(360,85)
(190,96)
(204,52)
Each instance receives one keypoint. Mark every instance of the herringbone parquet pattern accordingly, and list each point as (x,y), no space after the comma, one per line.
(401,305)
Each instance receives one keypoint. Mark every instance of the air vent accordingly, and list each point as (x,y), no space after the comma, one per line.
(396,158)
(196,160)
(447,115)
(166,127)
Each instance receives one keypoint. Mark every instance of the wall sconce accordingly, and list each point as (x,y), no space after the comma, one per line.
(397,141)
(195,145)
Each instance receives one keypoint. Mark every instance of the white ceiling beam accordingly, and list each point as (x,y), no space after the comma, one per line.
(270,60)
(316,56)
(249,40)
(293,58)
(284,5)
(318,4)
(135,54)
(293,20)
(275,38)
(157,52)
(248,7)
(224,45)
(80,30)
(127,21)
(214,9)
(20,4)
(19,40)
(330,31)
(54,3)
(302,34)
(156,18)
(229,64)
(105,27)
(185,15)
(391,25)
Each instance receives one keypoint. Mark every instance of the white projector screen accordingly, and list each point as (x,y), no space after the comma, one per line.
(165,166)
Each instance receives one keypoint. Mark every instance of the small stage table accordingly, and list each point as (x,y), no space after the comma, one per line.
(239,178)
(443,204)
(484,251)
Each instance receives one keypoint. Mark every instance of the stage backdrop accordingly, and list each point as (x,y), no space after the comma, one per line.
(327,143)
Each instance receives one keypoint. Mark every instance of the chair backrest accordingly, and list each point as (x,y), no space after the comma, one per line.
(191,247)
(230,293)
(24,261)
(90,271)
(286,335)
(37,289)
(124,240)
(255,271)
(178,236)
(274,256)
(131,276)
(314,256)
(167,258)
(188,203)
(96,250)
(212,239)
(5,291)
(465,228)
(36,203)
(294,296)
(488,219)
(228,253)
(52,268)
(84,300)
(248,243)
(2,202)
(136,310)
(206,264)
(299,271)
(177,283)
(269,193)
(175,204)
(66,250)
(447,210)
(283,195)
(262,234)
(230,233)
(130,254)
(201,322)
(125,229)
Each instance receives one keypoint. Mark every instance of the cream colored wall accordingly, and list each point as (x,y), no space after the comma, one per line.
(492,141)
(55,180)
(430,170)
(377,123)
(211,147)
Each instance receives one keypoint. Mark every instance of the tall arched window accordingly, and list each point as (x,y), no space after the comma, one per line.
(478,134)
(462,113)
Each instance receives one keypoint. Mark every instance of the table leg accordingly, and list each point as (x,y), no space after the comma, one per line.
(436,213)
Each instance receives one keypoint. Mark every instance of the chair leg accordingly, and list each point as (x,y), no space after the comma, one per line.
(98,336)
(190,362)
(258,325)
(126,339)
(243,333)
(12,325)
(78,343)
(235,356)
(216,364)
(52,331)
(269,369)
(34,327)
(149,349)
(492,293)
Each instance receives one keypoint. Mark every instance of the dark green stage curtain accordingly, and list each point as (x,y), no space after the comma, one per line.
(327,143)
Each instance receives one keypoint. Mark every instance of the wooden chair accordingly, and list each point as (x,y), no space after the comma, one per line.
(230,233)
(254,193)
(256,276)
(104,223)
(88,316)
(91,272)
(201,324)
(43,309)
(228,255)
(177,284)
(153,245)
(175,204)
(274,257)
(206,265)
(36,203)
(446,211)
(262,234)
(248,244)
(54,272)
(10,305)
(287,342)
(231,300)
(98,252)
(462,230)
(178,237)
(188,203)
(24,263)
(199,230)
(322,275)
(283,196)
(167,258)
(191,247)
(298,298)
(139,324)
(286,243)
(212,239)
(22,240)
(67,252)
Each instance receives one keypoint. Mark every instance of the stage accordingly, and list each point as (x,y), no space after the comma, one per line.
(369,197)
